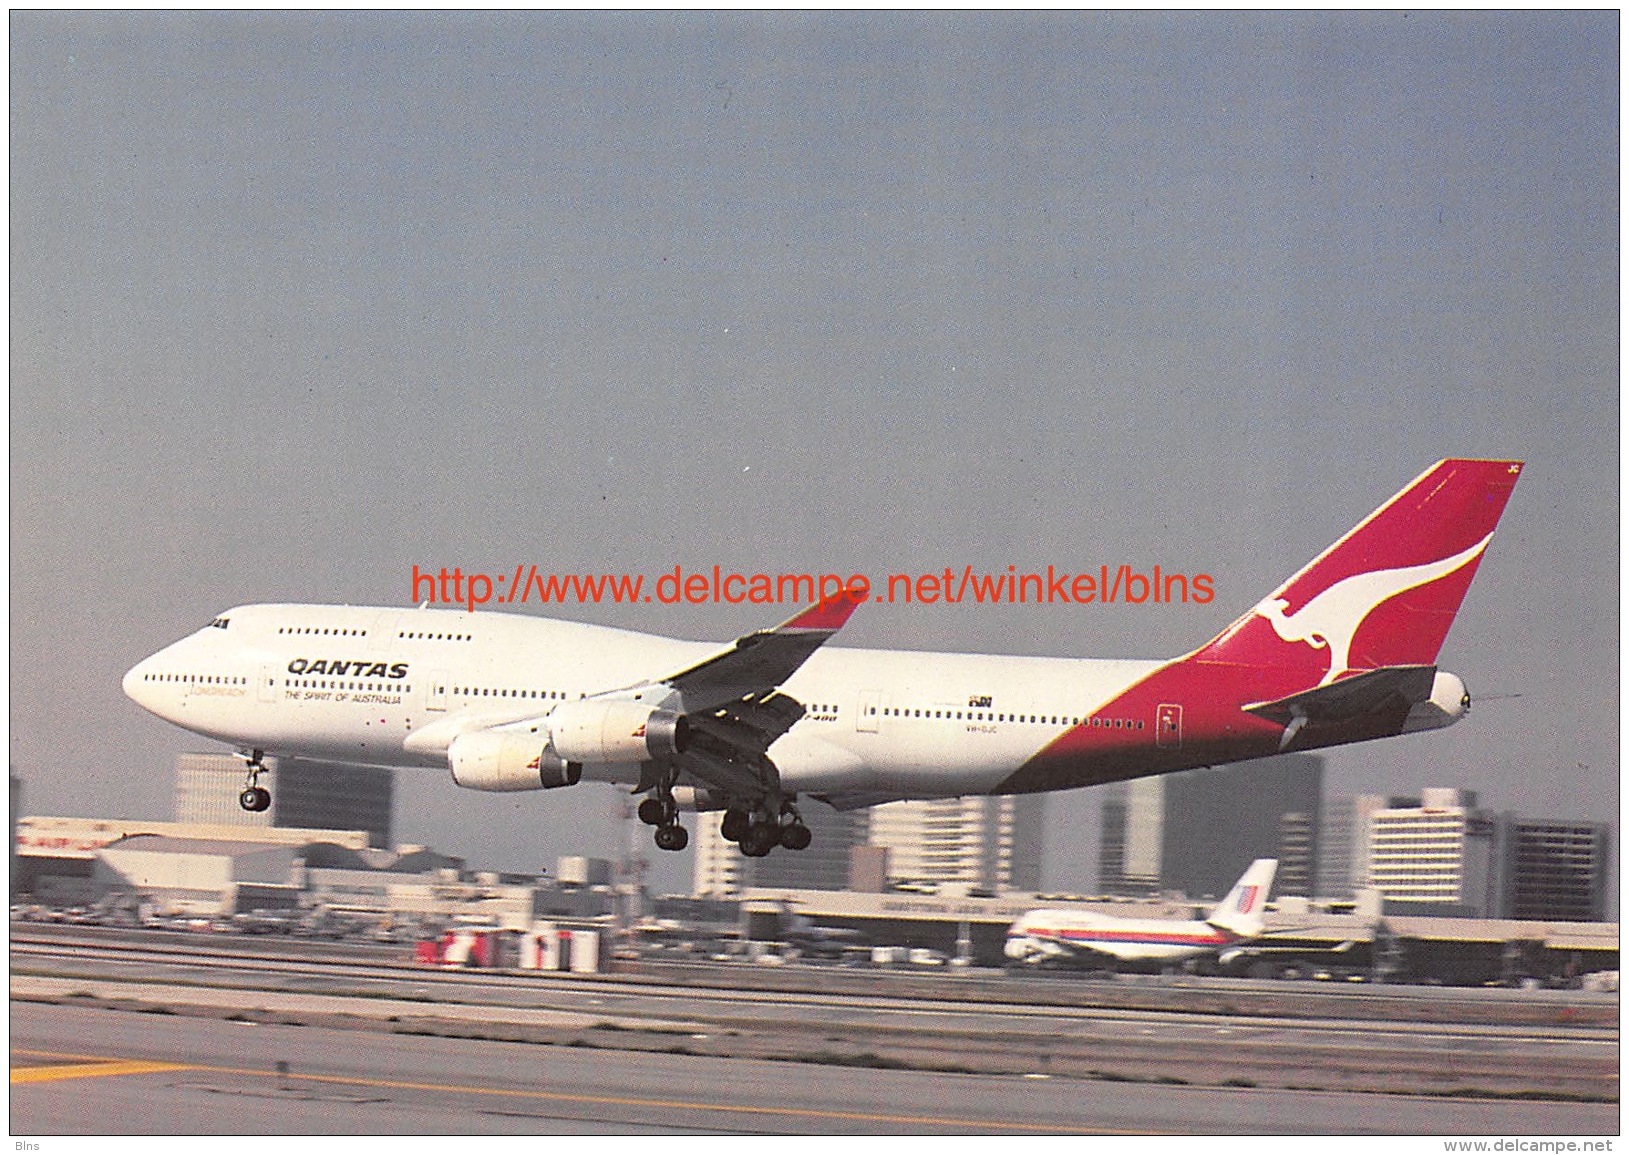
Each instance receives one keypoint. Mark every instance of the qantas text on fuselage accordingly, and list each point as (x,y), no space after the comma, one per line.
(340,669)
(1344,651)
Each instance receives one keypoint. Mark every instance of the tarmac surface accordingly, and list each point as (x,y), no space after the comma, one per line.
(98,1071)
(126,1032)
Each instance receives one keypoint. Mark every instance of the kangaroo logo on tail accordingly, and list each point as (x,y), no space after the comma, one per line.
(1332,619)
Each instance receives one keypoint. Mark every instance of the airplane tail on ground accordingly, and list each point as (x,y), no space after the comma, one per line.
(1384,595)
(791,920)
(1244,911)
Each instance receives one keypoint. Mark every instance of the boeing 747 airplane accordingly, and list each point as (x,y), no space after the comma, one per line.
(1344,651)
(1072,936)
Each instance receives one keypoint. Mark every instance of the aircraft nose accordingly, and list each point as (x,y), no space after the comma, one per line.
(139,688)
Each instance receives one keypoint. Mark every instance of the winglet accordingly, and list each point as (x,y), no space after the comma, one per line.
(829,613)
(761,661)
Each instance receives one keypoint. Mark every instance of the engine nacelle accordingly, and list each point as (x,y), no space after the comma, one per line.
(509,760)
(616,730)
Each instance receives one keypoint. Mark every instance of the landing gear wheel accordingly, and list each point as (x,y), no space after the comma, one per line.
(653,812)
(796,836)
(759,840)
(254,797)
(672,837)
(734,825)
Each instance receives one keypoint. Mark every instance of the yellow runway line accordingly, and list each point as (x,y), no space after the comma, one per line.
(111,1067)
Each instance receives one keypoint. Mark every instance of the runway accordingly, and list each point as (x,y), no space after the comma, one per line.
(210,1076)
(372,1044)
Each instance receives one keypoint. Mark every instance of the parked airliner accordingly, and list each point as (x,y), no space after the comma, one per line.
(1344,651)
(1059,936)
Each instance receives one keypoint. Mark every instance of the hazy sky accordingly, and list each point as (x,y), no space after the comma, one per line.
(301,301)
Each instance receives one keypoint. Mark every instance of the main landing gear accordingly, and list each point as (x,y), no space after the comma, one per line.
(757,833)
(255,798)
(660,811)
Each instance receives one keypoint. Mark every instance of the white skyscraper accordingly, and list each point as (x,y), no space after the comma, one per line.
(981,842)
(1437,850)
(721,869)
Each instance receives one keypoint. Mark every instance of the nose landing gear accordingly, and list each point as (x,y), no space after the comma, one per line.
(254,797)
(674,837)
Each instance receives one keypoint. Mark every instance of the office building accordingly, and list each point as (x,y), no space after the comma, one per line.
(307,794)
(981,842)
(1343,840)
(1435,854)
(1555,869)
(1196,831)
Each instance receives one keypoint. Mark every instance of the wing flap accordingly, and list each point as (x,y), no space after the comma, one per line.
(856,799)
(753,722)
(720,770)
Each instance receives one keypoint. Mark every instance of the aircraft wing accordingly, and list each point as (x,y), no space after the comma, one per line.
(1064,951)
(729,744)
(712,722)
(1258,948)
(734,704)
(1103,952)
(761,661)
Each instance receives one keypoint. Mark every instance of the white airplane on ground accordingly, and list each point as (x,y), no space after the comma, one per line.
(1345,651)
(1049,936)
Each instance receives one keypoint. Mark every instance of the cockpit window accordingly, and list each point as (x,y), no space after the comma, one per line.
(220,623)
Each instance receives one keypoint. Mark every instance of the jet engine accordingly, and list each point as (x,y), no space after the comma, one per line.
(615,730)
(509,760)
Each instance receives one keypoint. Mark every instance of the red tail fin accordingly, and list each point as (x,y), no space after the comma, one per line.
(1386,593)
(1375,607)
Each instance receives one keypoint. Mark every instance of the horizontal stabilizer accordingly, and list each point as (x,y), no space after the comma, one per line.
(1353,697)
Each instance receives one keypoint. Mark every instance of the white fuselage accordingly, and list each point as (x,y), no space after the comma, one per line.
(1059,934)
(392,687)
